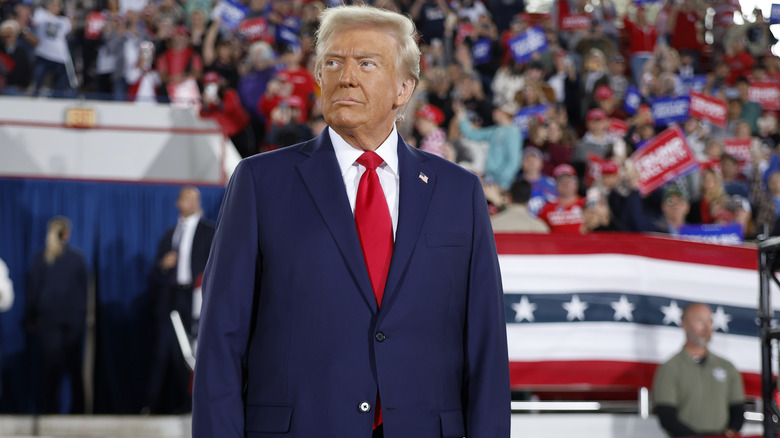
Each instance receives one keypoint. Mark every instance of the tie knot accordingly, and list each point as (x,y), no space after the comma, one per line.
(370,160)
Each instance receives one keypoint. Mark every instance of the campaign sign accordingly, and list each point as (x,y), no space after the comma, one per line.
(524,45)
(287,36)
(254,29)
(726,234)
(695,83)
(230,13)
(287,32)
(643,2)
(617,128)
(633,100)
(774,14)
(708,108)
(663,158)
(668,110)
(95,23)
(480,51)
(767,94)
(524,116)
(576,22)
(738,148)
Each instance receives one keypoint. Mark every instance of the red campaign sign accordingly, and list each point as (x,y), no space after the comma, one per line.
(708,108)
(765,93)
(738,148)
(254,29)
(617,128)
(576,22)
(664,158)
(94,26)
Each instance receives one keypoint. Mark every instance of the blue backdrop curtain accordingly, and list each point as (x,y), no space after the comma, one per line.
(117,227)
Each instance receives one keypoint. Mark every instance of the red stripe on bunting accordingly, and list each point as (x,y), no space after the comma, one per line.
(601,376)
(652,246)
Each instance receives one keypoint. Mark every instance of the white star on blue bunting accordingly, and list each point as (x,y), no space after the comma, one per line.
(575,309)
(672,313)
(524,310)
(623,309)
(720,320)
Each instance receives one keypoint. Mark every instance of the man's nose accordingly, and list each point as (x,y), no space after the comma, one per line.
(349,74)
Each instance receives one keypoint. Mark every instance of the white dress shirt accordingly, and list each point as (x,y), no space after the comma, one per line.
(351,171)
(187,227)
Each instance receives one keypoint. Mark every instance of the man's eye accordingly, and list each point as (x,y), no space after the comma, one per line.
(368,63)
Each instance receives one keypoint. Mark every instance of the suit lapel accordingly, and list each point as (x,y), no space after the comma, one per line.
(416,181)
(322,178)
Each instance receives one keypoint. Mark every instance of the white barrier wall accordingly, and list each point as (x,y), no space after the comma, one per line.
(116,141)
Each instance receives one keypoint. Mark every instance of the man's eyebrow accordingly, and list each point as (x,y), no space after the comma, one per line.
(358,55)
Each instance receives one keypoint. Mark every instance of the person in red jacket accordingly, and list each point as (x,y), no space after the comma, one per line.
(222,104)
(565,214)
(642,37)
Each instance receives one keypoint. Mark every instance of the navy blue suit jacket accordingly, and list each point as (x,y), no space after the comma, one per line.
(292,343)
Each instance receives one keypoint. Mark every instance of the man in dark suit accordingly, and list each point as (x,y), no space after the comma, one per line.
(353,289)
(180,260)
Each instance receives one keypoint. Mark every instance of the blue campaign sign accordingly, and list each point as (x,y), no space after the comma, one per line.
(696,83)
(230,12)
(288,31)
(633,100)
(531,41)
(644,2)
(774,14)
(524,116)
(481,51)
(727,234)
(668,110)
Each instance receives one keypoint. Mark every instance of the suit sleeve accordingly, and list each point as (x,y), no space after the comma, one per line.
(228,293)
(488,398)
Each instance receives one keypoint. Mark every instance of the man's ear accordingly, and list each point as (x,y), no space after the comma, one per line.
(405,91)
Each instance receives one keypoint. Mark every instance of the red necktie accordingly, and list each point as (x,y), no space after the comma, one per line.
(374,226)
(375,229)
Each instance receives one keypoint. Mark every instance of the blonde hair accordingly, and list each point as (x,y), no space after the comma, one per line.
(10,24)
(56,238)
(400,27)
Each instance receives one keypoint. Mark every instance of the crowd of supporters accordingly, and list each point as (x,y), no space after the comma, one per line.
(566,117)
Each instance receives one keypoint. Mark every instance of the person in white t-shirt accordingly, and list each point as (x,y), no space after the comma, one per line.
(6,290)
(52,55)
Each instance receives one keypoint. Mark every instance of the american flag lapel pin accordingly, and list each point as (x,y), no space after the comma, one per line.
(423,177)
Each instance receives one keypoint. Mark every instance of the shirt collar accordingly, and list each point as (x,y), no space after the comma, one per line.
(346,154)
(193,218)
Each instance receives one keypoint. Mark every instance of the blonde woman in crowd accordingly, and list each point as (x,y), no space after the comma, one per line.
(56,316)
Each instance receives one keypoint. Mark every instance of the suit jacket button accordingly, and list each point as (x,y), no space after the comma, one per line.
(380,336)
(364,406)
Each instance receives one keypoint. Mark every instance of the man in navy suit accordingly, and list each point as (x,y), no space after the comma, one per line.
(300,337)
(180,260)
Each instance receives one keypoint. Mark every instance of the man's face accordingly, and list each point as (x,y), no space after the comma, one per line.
(698,325)
(675,208)
(532,163)
(188,202)
(567,186)
(7,36)
(360,86)
(598,126)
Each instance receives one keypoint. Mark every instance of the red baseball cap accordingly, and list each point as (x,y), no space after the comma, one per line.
(609,168)
(212,77)
(430,113)
(596,114)
(563,169)
(181,30)
(603,92)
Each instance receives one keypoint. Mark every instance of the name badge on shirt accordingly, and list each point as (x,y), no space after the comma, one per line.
(719,374)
